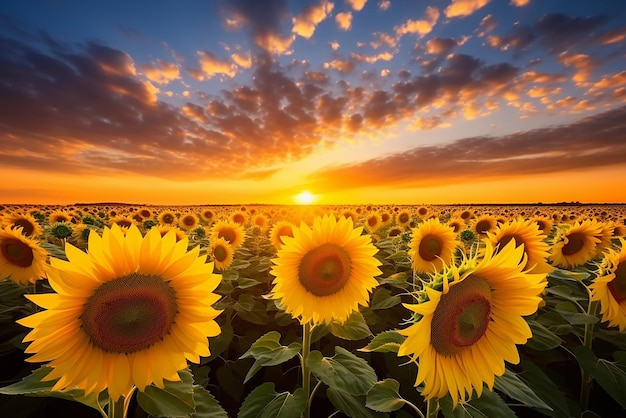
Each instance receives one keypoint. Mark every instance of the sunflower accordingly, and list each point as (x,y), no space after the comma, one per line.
(21,258)
(167,218)
(432,246)
(484,224)
(165,229)
(123,221)
(239,217)
(230,231)
(130,312)
(575,244)
(544,223)
(373,221)
(524,232)
(471,321)
(59,216)
(457,224)
(403,218)
(261,221)
(280,230)
(28,224)
(208,215)
(188,221)
(325,273)
(609,287)
(222,254)
(145,213)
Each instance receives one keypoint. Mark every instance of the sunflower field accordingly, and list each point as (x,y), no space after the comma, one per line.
(115,310)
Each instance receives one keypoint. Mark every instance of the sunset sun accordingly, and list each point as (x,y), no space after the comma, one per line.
(305,198)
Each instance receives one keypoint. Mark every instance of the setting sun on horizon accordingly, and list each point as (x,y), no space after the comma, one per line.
(386,101)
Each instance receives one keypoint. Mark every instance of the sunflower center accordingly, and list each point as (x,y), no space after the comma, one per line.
(483,226)
(220,253)
(129,313)
(575,243)
(403,218)
(461,317)
(168,218)
(228,234)
(372,221)
(17,252)
(124,223)
(189,221)
(617,286)
(325,269)
(27,227)
(507,238)
(430,247)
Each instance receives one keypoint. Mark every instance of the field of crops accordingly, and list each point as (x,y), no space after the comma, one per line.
(312,311)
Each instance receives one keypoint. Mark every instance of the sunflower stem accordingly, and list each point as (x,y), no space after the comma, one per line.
(117,408)
(306,372)
(586,380)
(432,408)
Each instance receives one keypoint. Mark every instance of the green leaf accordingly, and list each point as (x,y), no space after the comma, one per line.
(264,402)
(175,399)
(398,256)
(542,339)
(352,406)
(382,299)
(32,385)
(514,387)
(54,250)
(206,404)
(344,371)
(546,389)
(489,405)
(355,328)
(267,351)
(398,280)
(610,375)
(246,282)
(385,397)
(251,309)
(385,342)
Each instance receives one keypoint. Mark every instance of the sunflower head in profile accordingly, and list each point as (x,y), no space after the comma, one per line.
(575,244)
(21,258)
(261,221)
(59,216)
(324,273)
(129,313)
(609,287)
(231,231)
(123,221)
(280,230)
(469,322)
(526,233)
(432,246)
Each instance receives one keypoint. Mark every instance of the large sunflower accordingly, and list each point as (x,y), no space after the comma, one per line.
(609,287)
(524,232)
(575,244)
(28,224)
(325,273)
(21,258)
(130,312)
(471,321)
(432,246)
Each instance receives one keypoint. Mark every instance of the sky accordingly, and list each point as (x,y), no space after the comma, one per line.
(353,101)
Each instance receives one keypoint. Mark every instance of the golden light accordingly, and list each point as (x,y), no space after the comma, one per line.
(305,198)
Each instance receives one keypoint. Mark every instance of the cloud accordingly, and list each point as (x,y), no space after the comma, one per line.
(464,8)
(384,5)
(342,65)
(420,27)
(356,5)
(344,20)
(595,141)
(161,72)
(212,65)
(520,3)
(440,46)
(305,22)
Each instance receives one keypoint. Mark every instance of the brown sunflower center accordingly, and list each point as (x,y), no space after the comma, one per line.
(17,253)
(325,269)
(483,226)
(124,223)
(575,243)
(430,247)
(239,218)
(228,234)
(129,313)
(189,220)
(403,217)
(372,221)
(220,253)
(617,286)
(461,317)
(27,227)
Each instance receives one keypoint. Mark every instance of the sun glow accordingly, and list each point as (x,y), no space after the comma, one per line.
(305,198)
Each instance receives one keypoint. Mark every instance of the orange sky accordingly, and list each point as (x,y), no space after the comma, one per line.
(472,101)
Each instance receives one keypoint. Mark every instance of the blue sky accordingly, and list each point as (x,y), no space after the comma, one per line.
(357,101)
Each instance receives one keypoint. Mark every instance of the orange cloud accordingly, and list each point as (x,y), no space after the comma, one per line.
(244,61)
(305,22)
(356,5)
(520,3)
(341,65)
(419,27)
(384,5)
(344,20)
(212,65)
(583,64)
(463,8)
(371,59)
(161,72)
